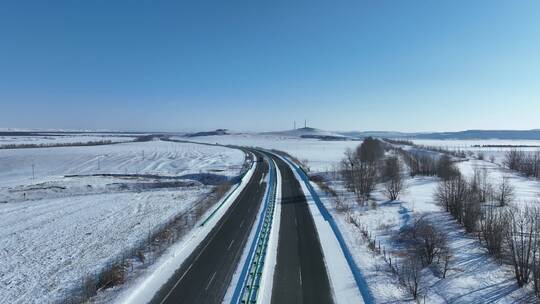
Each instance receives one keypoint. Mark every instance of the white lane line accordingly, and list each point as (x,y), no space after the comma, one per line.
(230,245)
(210,282)
(241,223)
(300,274)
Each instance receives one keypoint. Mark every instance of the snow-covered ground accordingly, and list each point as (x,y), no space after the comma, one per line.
(487,147)
(473,277)
(321,155)
(155,157)
(53,139)
(54,230)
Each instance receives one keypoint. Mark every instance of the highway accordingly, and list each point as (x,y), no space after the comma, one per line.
(205,276)
(300,275)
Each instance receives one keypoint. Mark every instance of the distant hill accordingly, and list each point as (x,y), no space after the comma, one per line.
(209,133)
(310,133)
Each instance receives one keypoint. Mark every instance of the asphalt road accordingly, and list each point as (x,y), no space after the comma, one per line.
(300,275)
(206,274)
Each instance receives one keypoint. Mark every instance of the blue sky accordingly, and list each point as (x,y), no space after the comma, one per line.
(254,65)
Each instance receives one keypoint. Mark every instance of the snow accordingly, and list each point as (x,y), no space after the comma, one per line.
(56,139)
(321,155)
(49,245)
(150,283)
(55,230)
(497,152)
(527,190)
(155,157)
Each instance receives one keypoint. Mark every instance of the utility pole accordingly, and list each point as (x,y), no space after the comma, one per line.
(305,123)
(294,125)
(33,170)
(98,162)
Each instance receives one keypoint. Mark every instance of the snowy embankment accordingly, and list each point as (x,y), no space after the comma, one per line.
(55,230)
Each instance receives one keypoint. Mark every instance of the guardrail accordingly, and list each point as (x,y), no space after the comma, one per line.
(247,288)
(357,273)
(245,169)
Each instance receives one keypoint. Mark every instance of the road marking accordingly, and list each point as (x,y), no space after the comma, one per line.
(230,245)
(241,223)
(189,268)
(210,282)
(300,274)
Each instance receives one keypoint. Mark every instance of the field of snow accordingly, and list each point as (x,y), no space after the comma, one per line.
(469,145)
(155,157)
(56,139)
(321,155)
(55,229)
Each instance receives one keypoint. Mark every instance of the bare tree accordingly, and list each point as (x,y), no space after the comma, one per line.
(445,168)
(370,151)
(504,193)
(361,172)
(480,187)
(452,195)
(523,240)
(394,182)
(471,215)
(411,274)
(430,241)
(493,228)
(446,256)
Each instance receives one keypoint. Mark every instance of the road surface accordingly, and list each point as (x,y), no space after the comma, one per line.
(205,276)
(300,275)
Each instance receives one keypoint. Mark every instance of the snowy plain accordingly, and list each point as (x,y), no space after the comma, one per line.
(321,155)
(57,229)
(53,139)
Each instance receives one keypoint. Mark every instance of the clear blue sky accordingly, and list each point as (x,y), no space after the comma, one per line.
(259,65)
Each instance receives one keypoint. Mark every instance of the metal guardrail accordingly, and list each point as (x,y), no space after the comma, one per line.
(237,184)
(247,288)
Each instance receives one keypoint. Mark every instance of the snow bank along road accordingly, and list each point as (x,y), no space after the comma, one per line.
(205,276)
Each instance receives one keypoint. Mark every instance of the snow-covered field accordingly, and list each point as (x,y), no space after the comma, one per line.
(54,230)
(56,139)
(487,147)
(320,155)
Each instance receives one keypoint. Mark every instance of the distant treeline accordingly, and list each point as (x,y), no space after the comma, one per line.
(399,141)
(54,145)
(505,146)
